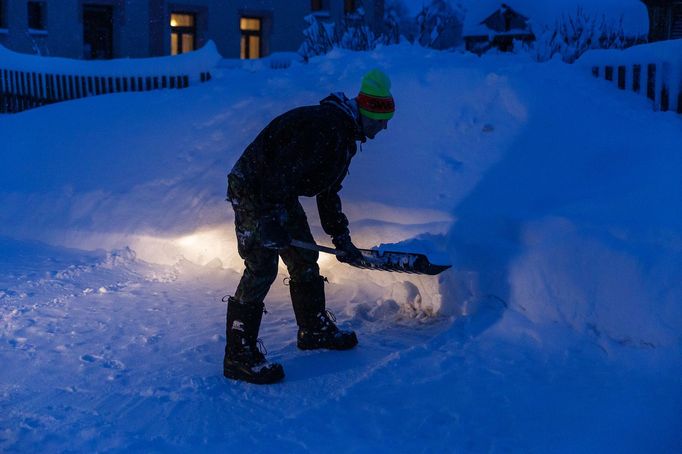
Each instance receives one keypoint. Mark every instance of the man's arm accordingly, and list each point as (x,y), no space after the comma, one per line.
(334,222)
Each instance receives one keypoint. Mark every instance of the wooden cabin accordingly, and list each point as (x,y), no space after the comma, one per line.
(499,30)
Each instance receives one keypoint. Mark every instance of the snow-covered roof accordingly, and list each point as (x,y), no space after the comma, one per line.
(541,13)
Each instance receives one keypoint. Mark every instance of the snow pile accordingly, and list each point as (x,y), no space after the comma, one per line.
(192,63)
(668,51)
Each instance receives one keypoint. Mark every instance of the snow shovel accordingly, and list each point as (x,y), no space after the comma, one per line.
(401,262)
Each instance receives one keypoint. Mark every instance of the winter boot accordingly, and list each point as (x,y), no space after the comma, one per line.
(243,360)
(316,328)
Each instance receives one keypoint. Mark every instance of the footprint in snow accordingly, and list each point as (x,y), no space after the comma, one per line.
(106,363)
(113,364)
(90,358)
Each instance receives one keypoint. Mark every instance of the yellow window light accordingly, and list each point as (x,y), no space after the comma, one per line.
(182,20)
(249,23)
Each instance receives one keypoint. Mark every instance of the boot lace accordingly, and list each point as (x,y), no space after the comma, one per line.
(261,347)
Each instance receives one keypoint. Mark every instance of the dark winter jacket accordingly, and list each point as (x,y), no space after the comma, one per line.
(303,152)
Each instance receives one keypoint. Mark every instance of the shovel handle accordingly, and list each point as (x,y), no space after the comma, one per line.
(316,247)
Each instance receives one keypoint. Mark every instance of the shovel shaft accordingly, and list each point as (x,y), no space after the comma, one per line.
(316,247)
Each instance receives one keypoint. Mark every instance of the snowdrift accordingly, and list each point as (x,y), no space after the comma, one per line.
(554,196)
(502,166)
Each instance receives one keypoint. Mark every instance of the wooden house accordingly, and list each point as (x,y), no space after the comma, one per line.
(499,30)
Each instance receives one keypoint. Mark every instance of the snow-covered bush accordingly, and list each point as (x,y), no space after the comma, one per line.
(394,15)
(319,37)
(575,34)
(439,24)
(356,34)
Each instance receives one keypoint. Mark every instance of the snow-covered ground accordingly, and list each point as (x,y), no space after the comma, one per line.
(554,196)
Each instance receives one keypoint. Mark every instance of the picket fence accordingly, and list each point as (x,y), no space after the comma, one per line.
(29,81)
(21,90)
(656,81)
(651,70)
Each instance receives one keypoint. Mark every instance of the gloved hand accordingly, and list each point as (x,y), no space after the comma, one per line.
(272,231)
(344,243)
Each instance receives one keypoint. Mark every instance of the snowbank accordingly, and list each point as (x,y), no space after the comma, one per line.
(192,63)
(501,166)
(668,51)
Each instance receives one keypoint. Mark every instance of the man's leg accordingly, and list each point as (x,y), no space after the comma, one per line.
(243,360)
(316,328)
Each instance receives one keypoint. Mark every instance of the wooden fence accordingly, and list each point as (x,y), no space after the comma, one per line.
(22,90)
(660,82)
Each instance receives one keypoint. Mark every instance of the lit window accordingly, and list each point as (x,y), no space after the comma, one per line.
(37,15)
(251,37)
(183,32)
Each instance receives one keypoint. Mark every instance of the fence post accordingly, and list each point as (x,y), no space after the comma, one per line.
(621,77)
(636,78)
(674,77)
(651,81)
(42,87)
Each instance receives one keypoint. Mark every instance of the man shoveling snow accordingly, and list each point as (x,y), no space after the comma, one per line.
(303,152)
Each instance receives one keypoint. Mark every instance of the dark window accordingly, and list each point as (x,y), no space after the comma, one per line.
(349,6)
(316,5)
(183,32)
(37,15)
(251,37)
(98,32)
(3,24)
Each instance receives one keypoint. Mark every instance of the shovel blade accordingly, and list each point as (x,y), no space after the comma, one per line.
(400,262)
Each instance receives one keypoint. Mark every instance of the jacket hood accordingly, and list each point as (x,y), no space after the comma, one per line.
(350,108)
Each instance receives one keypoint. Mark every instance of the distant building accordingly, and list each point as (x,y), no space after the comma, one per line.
(665,19)
(102,29)
(499,30)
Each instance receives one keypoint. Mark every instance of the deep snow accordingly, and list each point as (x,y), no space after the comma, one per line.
(554,196)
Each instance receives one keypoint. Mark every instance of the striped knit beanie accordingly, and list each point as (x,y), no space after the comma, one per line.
(375,100)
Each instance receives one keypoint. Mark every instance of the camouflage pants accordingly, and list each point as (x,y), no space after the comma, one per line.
(260,262)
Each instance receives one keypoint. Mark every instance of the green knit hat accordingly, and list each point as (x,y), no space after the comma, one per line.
(375,100)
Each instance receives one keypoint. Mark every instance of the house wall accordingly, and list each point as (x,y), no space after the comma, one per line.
(665,19)
(142,27)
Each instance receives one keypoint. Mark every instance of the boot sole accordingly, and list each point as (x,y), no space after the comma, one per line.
(313,346)
(240,373)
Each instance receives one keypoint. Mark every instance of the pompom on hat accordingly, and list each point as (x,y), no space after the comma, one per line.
(375,100)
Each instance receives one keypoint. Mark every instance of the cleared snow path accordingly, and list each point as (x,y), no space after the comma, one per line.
(103,352)
(99,350)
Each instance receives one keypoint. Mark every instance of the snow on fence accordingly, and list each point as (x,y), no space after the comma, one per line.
(652,70)
(28,81)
